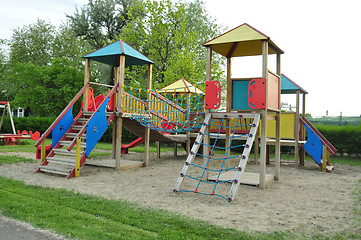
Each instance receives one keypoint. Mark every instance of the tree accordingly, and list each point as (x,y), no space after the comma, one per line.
(168,36)
(46,89)
(101,21)
(31,43)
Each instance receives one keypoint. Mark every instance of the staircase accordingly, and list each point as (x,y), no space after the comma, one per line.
(60,160)
(89,126)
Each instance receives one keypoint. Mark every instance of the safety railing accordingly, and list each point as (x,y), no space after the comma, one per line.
(62,114)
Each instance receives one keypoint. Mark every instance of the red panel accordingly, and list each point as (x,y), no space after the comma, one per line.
(257,93)
(213,95)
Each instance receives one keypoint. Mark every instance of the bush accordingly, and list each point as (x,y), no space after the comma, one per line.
(346,139)
(41,124)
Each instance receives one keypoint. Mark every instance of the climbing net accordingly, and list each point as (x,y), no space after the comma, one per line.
(168,112)
(224,166)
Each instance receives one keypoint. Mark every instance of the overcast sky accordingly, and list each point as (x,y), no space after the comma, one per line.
(319,38)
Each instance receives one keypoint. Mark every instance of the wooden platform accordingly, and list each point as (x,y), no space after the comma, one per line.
(110,163)
(247,178)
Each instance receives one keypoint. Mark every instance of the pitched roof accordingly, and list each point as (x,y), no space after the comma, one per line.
(109,54)
(288,86)
(243,40)
(181,86)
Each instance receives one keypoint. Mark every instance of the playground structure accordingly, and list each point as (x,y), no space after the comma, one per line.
(147,113)
(180,113)
(14,137)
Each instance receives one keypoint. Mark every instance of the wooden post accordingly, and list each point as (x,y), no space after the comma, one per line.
(278,125)
(228,109)
(206,138)
(188,133)
(297,124)
(175,148)
(262,177)
(114,130)
(158,149)
(147,130)
(77,157)
(86,81)
(119,119)
(43,152)
(303,132)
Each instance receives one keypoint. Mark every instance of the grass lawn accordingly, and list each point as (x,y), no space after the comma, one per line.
(82,216)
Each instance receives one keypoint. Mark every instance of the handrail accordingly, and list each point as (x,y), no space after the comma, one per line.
(329,145)
(135,98)
(66,109)
(167,101)
(82,131)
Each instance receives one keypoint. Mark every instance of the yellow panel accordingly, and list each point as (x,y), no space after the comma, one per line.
(287,126)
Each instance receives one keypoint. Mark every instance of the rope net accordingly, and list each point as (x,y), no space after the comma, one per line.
(168,112)
(203,173)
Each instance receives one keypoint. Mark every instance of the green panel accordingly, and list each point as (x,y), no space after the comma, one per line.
(240,95)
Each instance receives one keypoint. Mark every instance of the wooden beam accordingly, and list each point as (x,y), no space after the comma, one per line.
(229,85)
(206,138)
(231,51)
(303,131)
(86,83)
(296,128)
(119,120)
(278,124)
(147,130)
(262,178)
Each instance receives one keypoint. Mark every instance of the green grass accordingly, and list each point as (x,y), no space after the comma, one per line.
(88,217)
(13,159)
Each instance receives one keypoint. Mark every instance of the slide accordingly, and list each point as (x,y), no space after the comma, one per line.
(136,142)
(315,143)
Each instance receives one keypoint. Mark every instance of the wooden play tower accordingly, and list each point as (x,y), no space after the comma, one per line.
(244,41)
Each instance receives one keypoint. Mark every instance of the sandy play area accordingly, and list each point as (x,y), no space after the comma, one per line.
(304,200)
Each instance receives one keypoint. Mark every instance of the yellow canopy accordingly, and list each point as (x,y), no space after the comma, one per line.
(243,40)
(181,86)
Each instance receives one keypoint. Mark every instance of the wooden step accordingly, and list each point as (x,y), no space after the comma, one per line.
(56,170)
(91,113)
(82,120)
(61,160)
(67,143)
(66,152)
(77,127)
(73,135)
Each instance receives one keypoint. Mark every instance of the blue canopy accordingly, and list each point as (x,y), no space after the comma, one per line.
(288,86)
(110,54)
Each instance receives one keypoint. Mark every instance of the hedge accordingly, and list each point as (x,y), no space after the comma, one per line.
(41,124)
(346,139)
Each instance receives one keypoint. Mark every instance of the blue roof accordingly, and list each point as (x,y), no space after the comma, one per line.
(110,54)
(288,86)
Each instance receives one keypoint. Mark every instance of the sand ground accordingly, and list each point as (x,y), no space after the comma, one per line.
(304,200)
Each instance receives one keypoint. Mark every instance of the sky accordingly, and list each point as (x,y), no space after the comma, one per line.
(319,38)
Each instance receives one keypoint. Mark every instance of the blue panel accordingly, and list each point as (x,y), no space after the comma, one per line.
(313,146)
(96,127)
(62,126)
(240,95)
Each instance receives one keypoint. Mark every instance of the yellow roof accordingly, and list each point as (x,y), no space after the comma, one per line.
(243,40)
(181,86)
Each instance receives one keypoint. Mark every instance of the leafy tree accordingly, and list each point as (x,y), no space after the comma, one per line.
(46,89)
(31,43)
(168,36)
(3,69)
(101,21)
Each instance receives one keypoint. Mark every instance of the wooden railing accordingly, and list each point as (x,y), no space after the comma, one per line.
(66,109)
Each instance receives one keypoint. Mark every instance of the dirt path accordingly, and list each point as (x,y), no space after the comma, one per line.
(304,200)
